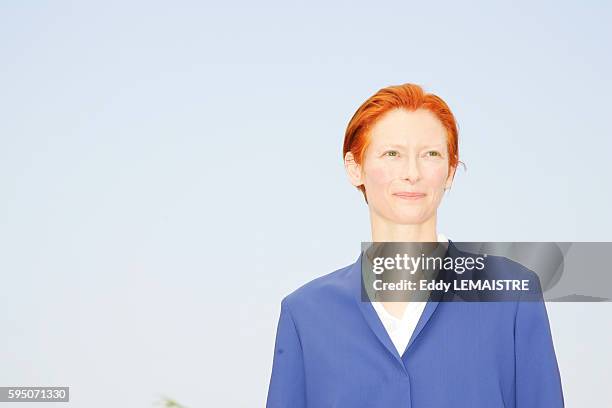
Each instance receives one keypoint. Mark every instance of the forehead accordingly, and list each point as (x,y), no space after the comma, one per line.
(400,126)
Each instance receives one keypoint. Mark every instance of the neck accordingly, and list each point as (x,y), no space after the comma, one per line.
(384,230)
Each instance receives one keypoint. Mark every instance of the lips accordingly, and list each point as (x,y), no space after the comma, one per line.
(409,195)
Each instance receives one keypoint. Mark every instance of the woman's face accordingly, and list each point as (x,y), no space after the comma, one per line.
(405,167)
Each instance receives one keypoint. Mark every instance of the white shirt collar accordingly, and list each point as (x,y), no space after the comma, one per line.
(411,308)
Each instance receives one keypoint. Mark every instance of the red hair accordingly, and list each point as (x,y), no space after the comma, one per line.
(407,96)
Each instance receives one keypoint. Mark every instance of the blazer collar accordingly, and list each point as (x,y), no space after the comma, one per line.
(371,317)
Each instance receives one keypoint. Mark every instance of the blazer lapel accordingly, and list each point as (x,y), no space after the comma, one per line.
(428,311)
(372,318)
(435,297)
(369,314)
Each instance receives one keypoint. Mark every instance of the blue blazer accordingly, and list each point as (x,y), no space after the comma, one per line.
(331,350)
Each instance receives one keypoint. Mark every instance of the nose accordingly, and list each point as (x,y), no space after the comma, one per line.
(410,170)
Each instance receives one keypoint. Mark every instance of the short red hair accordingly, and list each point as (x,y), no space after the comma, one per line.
(406,96)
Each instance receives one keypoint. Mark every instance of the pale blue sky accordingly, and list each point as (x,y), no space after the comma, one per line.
(152,151)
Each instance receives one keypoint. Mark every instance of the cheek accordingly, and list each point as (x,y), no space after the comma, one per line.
(437,176)
(378,175)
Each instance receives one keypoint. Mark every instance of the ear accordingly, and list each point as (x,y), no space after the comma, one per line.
(450,178)
(353,169)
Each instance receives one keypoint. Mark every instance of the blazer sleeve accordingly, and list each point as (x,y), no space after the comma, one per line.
(286,389)
(538,382)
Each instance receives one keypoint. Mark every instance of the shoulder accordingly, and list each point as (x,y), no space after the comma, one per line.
(320,291)
(513,281)
(500,267)
(499,279)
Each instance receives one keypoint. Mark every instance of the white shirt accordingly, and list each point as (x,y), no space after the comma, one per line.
(400,330)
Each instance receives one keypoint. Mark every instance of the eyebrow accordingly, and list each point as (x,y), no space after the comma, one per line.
(397,146)
(391,146)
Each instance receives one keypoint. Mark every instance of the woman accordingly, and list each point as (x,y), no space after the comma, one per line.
(333,349)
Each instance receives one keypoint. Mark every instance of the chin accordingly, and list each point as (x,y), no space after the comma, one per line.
(408,219)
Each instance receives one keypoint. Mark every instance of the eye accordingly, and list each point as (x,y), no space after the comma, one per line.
(433,153)
(391,153)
